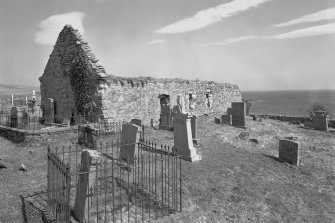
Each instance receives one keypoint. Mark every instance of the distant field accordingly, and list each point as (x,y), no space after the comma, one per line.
(6,90)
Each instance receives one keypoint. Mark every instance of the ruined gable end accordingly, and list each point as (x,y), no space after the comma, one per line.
(73,78)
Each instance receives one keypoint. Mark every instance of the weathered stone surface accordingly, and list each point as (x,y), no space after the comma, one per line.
(289,152)
(23,167)
(129,142)
(78,84)
(238,114)
(320,123)
(226,119)
(165,117)
(217,120)
(89,161)
(254,140)
(183,144)
(24,119)
(229,111)
(13,118)
(308,124)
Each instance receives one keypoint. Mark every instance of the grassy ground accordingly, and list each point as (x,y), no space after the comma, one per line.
(237,180)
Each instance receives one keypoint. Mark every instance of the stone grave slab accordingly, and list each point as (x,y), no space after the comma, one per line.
(183,143)
(129,142)
(320,123)
(13,117)
(226,119)
(166,117)
(238,114)
(289,151)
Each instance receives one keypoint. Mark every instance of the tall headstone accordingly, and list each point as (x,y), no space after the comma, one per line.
(90,159)
(320,121)
(51,111)
(24,119)
(13,117)
(238,114)
(129,142)
(183,143)
(194,126)
(166,117)
(289,151)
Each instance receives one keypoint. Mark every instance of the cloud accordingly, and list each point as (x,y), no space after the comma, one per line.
(230,41)
(299,33)
(210,16)
(322,15)
(310,31)
(156,41)
(51,26)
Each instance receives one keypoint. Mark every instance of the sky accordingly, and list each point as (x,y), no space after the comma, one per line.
(256,44)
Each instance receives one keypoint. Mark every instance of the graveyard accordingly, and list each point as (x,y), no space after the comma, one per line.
(238,179)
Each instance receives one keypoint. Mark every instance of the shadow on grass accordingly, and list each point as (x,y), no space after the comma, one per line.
(272,157)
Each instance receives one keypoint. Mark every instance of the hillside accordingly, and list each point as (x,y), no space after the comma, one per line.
(237,180)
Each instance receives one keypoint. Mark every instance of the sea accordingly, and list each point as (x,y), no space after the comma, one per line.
(289,103)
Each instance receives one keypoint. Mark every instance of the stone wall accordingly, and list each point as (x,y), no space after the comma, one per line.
(79,85)
(126,99)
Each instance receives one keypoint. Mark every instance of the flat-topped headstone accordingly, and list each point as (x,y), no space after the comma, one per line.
(13,117)
(226,119)
(289,151)
(238,114)
(320,123)
(183,143)
(129,142)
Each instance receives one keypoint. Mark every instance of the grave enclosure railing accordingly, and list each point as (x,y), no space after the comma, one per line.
(139,188)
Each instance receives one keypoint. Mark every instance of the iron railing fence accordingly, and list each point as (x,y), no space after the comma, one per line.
(135,184)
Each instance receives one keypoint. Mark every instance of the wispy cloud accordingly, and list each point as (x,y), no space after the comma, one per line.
(299,33)
(230,41)
(322,15)
(210,16)
(156,41)
(51,26)
(310,31)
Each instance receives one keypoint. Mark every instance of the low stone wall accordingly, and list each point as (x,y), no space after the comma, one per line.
(291,119)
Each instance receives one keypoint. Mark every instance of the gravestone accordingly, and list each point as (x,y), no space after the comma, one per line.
(166,117)
(24,119)
(183,144)
(217,120)
(50,111)
(194,126)
(320,123)
(238,110)
(289,151)
(308,124)
(129,142)
(226,119)
(13,118)
(90,159)
(248,107)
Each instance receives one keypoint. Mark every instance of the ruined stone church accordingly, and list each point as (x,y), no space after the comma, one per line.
(75,83)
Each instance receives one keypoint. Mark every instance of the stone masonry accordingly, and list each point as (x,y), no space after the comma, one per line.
(79,85)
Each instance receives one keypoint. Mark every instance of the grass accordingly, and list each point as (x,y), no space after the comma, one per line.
(237,180)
